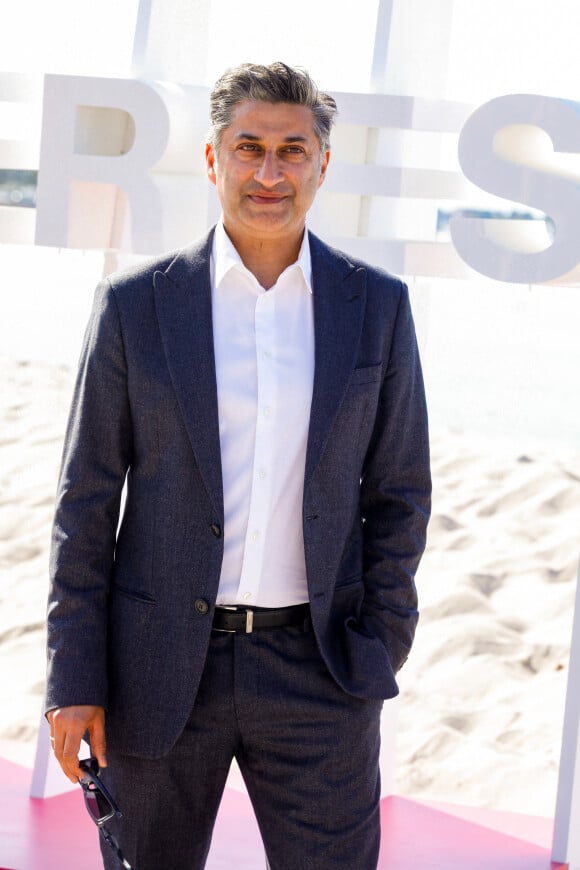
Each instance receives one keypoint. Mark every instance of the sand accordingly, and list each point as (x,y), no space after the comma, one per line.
(483,692)
(484,689)
(34,401)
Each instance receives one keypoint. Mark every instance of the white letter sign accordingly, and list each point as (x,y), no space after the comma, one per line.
(491,161)
(97,135)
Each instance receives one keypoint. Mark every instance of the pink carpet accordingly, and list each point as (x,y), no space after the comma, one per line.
(56,834)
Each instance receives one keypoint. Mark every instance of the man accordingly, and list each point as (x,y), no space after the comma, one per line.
(261,395)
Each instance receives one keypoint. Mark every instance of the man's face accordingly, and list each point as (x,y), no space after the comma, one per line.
(267,171)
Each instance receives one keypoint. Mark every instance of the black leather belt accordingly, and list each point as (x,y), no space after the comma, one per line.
(244,620)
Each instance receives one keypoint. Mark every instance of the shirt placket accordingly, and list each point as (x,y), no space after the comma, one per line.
(266,415)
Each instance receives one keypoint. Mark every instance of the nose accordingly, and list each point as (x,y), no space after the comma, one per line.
(269,173)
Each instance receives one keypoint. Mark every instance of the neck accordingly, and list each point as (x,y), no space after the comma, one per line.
(267,259)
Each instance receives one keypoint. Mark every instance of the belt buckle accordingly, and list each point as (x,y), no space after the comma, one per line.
(249,619)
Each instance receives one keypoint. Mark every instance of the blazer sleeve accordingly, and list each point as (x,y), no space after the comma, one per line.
(396,494)
(96,457)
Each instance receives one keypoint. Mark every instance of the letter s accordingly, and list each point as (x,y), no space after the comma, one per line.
(555,193)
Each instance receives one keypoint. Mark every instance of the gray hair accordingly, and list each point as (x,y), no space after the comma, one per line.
(276,83)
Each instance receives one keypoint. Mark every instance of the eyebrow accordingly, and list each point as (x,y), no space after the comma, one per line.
(253,138)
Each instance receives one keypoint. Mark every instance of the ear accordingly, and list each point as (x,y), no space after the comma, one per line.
(210,163)
(324,166)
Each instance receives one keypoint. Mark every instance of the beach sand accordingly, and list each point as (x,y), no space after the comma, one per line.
(483,692)
(484,689)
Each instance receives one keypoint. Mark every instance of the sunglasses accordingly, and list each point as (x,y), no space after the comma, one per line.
(100,804)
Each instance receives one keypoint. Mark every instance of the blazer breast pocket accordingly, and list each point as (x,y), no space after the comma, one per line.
(366,375)
(359,405)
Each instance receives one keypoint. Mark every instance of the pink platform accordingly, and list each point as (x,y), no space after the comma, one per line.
(56,834)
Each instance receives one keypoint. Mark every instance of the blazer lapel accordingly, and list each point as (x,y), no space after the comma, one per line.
(339,291)
(184,312)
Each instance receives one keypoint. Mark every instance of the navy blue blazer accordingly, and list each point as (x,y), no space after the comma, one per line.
(130,609)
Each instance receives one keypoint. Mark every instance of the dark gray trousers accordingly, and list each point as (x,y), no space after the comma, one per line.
(308,752)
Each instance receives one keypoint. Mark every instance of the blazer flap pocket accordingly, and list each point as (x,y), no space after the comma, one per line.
(134,594)
(366,374)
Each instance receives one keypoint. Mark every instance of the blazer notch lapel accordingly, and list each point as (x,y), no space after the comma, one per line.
(339,291)
(183,304)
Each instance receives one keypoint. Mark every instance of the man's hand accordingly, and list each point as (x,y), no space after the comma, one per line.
(67,727)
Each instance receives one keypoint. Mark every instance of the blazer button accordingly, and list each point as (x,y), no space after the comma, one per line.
(201,606)
(216,530)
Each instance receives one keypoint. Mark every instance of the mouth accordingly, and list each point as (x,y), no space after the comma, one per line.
(266,199)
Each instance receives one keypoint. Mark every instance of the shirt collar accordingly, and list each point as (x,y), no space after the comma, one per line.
(225,257)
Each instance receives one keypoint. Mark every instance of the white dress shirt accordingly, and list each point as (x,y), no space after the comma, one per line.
(264,357)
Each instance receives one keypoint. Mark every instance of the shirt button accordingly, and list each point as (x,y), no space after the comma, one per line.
(255,535)
(247,596)
(267,412)
(201,606)
(216,530)
(262,474)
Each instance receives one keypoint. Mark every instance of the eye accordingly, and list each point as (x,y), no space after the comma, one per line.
(248,146)
(293,152)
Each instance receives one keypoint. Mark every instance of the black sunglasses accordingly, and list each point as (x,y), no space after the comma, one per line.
(100,804)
